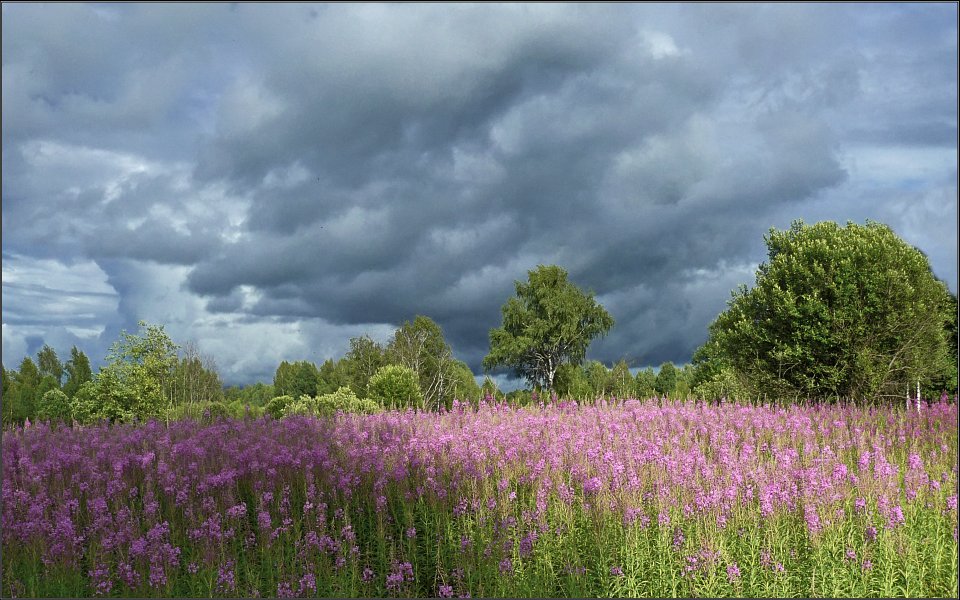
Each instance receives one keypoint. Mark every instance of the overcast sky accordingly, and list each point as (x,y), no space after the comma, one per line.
(270,180)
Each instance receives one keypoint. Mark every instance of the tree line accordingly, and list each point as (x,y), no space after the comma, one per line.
(836,312)
(848,312)
(145,375)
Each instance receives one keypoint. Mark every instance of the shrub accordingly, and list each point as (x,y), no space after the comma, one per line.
(725,383)
(84,405)
(345,400)
(54,406)
(304,405)
(396,387)
(275,407)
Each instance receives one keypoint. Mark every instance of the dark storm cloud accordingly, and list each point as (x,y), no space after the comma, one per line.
(596,162)
(318,171)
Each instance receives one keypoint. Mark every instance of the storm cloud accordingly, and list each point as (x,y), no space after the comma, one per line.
(270,180)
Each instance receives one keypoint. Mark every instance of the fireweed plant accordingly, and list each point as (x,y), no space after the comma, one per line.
(633,498)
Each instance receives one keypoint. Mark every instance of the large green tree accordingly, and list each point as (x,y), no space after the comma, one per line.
(194,378)
(138,372)
(361,362)
(621,381)
(333,376)
(667,377)
(54,405)
(20,392)
(78,371)
(301,378)
(49,364)
(419,345)
(646,383)
(396,387)
(850,311)
(550,322)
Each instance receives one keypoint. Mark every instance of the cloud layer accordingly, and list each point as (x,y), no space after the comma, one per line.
(271,181)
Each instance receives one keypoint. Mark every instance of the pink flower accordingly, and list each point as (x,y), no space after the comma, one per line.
(895,517)
(812,518)
(915,462)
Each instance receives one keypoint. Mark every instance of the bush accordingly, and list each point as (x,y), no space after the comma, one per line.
(304,405)
(84,407)
(723,384)
(396,387)
(344,400)
(275,407)
(54,406)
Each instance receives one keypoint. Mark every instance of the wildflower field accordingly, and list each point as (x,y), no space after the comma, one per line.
(634,498)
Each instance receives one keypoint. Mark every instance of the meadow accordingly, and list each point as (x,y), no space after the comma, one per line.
(651,498)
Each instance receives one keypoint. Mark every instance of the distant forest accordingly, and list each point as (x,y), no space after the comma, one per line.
(837,313)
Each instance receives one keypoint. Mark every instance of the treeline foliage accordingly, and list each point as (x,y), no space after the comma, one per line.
(145,375)
(593,380)
(415,369)
(836,312)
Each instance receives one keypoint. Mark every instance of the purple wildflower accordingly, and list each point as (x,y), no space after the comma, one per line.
(308,584)
(226,579)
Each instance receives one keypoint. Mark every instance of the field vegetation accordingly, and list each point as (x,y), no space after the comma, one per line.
(633,498)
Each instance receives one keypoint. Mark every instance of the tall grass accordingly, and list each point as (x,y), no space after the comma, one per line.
(608,499)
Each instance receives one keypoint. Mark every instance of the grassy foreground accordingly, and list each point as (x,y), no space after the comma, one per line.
(635,498)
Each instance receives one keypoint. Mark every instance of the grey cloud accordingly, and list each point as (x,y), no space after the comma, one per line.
(323,170)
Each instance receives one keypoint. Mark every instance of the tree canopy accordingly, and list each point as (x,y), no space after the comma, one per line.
(550,322)
(396,387)
(134,381)
(835,311)
(78,371)
(301,378)
(420,345)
